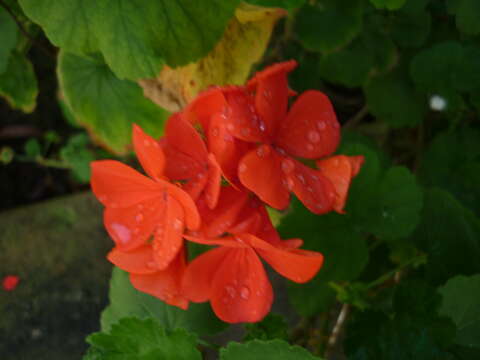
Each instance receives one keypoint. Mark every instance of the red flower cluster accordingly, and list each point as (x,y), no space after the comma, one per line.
(248,135)
(10,282)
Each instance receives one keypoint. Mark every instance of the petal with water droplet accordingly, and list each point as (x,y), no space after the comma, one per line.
(149,153)
(299,134)
(135,261)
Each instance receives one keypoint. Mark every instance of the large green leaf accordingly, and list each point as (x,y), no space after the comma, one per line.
(461,296)
(138,37)
(18,83)
(412,331)
(392,98)
(329,24)
(345,255)
(452,162)
(388,4)
(450,236)
(411,28)
(466,13)
(137,339)
(265,350)
(370,53)
(8,37)
(104,104)
(126,301)
(286,4)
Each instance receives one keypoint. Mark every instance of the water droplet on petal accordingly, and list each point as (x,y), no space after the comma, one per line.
(313,136)
(321,125)
(140,207)
(244,292)
(231,291)
(335,162)
(139,218)
(123,233)
(177,224)
(301,178)
(310,147)
(336,125)
(113,205)
(102,198)
(215,131)
(288,165)
(309,189)
(262,126)
(152,265)
(242,168)
(263,151)
(319,206)
(146,142)
(136,231)
(245,131)
(230,127)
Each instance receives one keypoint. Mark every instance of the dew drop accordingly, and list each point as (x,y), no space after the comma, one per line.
(231,291)
(245,131)
(146,142)
(123,233)
(288,166)
(263,151)
(102,198)
(335,162)
(244,292)
(319,206)
(310,189)
(177,224)
(152,265)
(261,125)
(242,168)
(140,207)
(310,147)
(136,231)
(301,178)
(336,125)
(230,127)
(313,136)
(321,125)
(114,205)
(139,218)
(215,131)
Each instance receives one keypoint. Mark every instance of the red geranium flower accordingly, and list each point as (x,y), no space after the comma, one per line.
(232,276)
(138,207)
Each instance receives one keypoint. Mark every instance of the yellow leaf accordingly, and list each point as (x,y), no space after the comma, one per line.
(230,62)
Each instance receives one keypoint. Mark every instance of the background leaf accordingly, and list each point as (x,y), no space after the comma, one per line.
(104,104)
(267,350)
(126,301)
(8,38)
(460,303)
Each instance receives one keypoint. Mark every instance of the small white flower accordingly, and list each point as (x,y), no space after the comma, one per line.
(438,103)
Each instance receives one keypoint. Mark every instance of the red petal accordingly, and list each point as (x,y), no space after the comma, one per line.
(179,166)
(271,97)
(311,129)
(227,241)
(219,220)
(131,227)
(138,261)
(165,285)
(241,119)
(294,264)
(260,171)
(227,150)
(149,153)
(169,235)
(212,189)
(195,186)
(313,189)
(182,136)
(192,218)
(340,170)
(10,282)
(241,291)
(206,104)
(199,275)
(118,185)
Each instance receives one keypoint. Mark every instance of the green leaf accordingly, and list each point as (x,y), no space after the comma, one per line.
(285,4)
(145,339)
(466,13)
(412,331)
(126,301)
(77,154)
(135,38)
(395,210)
(411,29)
(273,326)
(8,38)
(266,350)
(104,104)
(32,148)
(18,83)
(450,236)
(67,23)
(370,53)
(392,98)
(329,24)
(345,255)
(388,4)
(460,303)
(452,162)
